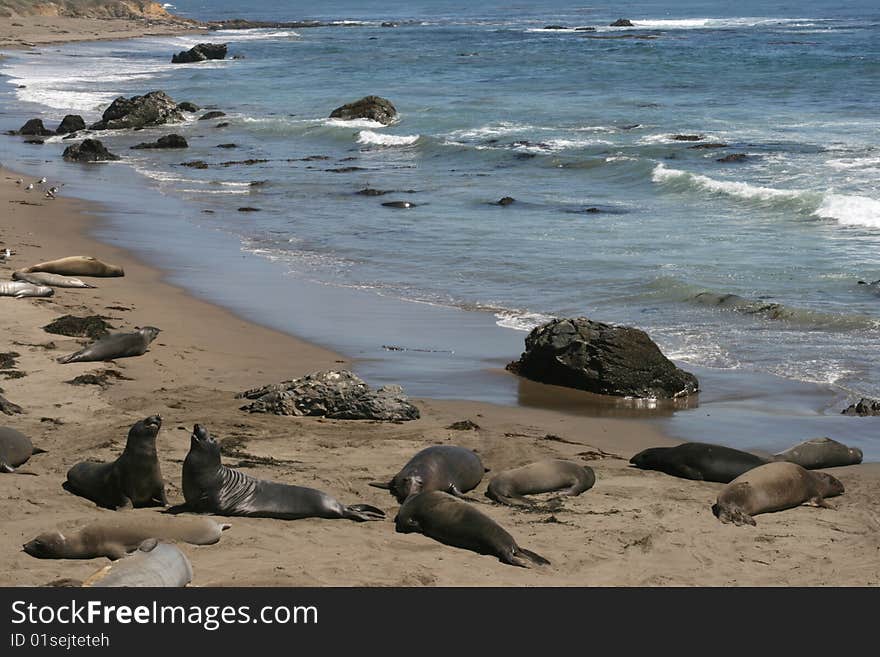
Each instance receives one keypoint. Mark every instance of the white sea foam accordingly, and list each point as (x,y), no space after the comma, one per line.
(719,23)
(851,210)
(368,137)
(661,174)
(521,321)
(257,34)
(369,124)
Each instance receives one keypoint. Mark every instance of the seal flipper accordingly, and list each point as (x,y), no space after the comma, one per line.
(524,558)
(37,450)
(728,515)
(379,484)
(362,513)
(177,509)
(819,502)
(453,490)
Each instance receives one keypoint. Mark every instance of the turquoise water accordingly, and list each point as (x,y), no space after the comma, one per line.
(613,219)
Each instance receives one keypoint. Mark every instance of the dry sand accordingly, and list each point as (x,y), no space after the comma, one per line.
(632,528)
(27,31)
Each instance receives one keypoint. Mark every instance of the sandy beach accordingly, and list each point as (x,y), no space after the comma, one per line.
(633,528)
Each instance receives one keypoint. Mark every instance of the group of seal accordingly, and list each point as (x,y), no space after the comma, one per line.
(40,280)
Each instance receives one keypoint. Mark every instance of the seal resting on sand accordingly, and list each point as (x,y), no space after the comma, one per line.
(210,487)
(21,289)
(449,468)
(773,487)
(700,461)
(566,477)
(117,345)
(447,519)
(115,537)
(134,479)
(153,564)
(76,266)
(15,449)
(50,280)
(820,453)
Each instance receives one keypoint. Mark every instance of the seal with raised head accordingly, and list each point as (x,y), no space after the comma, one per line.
(447,519)
(154,563)
(21,289)
(773,487)
(449,468)
(117,345)
(210,487)
(51,280)
(820,453)
(15,449)
(76,266)
(115,537)
(549,475)
(132,480)
(699,461)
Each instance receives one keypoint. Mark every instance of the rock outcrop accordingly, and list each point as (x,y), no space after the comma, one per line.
(622,22)
(89,150)
(864,407)
(214,114)
(154,108)
(70,123)
(34,127)
(374,108)
(168,141)
(200,53)
(187,106)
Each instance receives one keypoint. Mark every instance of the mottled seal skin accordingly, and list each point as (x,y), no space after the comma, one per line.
(449,468)
(117,345)
(210,487)
(76,266)
(550,475)
(51,280)
(132,480)
(22,289)
(153,564)
(820,453)
(115,537)
(699,461)
(773,487)
(15,449)
(447,519)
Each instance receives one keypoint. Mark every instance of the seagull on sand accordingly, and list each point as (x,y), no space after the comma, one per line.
(50,194)
(29,187)
(41,181)
(53,190)
(19,181)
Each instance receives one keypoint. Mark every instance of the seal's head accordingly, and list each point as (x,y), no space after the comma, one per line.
(150,333)
(856,454)
(203,449)
(405,487)
(828,485)
(404,522)
(648,459)
(146,430)
(46,545)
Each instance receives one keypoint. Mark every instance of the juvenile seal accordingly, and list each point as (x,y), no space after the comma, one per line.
(820,453)
(700,461)
(50,280)
(153,564)
(114,538)
(447,519)
(76,266)
(210,487)
(117,345)
(773,487)
(15,449)
(21,289)
(449,468)
(567,477)
(134,479)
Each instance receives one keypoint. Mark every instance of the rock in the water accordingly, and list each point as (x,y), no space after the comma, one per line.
(89,150)
(334,394)
(71,123)
(399,204)
(622,22)
(187,106)
(215,114)
(154,108)
(603,359)
(369,107)
(555,27)
(168,141)
(34,127)
(864,407)
(195,164)
(733,157)
(200,53)
(507,200)
(687,137)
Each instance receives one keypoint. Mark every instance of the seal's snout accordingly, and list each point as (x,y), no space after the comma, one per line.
(154,422)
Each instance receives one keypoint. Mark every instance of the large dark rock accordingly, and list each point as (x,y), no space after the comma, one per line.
(603,359)
(334,394)
(733,157)
(215,114)
(622,22)
(200,53)
(89,150)
(864,407)
(71,123)
(168,141)
(187,106)
(154,108)
(34,127)
(368,107)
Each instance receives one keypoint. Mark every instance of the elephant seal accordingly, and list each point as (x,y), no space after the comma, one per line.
(153,564)
(50,280)
(21,289)
(820,453)
(455,470)
(116,537)
(773,487)
(76,266)
(567,477)
(117,345)
(15,449)
(700,461)
(447,519)
(134,479)
(210,487)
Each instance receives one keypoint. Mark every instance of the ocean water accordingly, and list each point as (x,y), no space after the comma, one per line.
(614,218)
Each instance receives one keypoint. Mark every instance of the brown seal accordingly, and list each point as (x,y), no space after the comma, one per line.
(449,468)
(820,453)
(116,345)
(773,487)
(566,477)
(15,449)
(76,266)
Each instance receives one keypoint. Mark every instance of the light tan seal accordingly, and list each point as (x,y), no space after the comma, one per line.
(820,453)
(550,475)
(773,487)
(76,266)
(153,564)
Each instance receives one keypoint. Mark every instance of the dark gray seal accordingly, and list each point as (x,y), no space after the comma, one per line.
(15,449)
(449,468)
(210,487)
(566,477)
(773,487)
(117,345)
(820,453)
(700,461)
(134,479)
(447,519)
